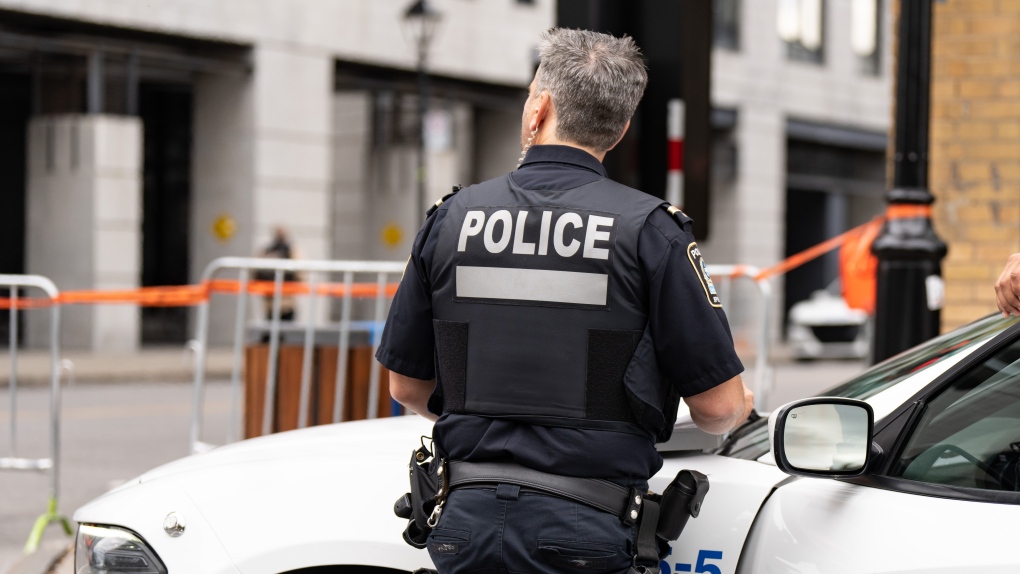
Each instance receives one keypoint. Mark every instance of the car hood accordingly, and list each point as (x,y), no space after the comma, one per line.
(324,495)
(344,440)
(361,439)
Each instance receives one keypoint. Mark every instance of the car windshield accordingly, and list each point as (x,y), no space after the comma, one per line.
(895,369)
(752,441)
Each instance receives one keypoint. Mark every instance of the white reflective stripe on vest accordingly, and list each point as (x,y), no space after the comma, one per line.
(532,285)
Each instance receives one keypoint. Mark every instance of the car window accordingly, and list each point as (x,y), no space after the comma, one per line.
(751,441)
(969,435)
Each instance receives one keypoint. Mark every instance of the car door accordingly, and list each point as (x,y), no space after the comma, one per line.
(945,497)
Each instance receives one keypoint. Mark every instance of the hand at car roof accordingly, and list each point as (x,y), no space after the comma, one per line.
(1007,287)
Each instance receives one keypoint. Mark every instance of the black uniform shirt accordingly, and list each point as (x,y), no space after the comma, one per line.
(692,341)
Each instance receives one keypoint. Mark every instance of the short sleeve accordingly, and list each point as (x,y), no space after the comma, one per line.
(693,343)
(408,341)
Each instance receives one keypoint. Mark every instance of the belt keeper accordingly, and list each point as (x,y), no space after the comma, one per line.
(633,511)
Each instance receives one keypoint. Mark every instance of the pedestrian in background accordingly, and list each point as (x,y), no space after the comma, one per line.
(280,247)
(551,320)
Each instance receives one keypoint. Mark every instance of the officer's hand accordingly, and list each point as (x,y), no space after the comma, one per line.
(1007,287)
(748,405)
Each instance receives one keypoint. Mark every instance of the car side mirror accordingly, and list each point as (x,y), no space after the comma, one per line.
(825,437)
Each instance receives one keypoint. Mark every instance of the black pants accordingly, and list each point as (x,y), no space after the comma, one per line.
(504,530)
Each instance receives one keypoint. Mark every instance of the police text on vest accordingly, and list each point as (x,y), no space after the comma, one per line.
(500,230)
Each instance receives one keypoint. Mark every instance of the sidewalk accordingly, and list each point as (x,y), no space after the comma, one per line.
(163,364)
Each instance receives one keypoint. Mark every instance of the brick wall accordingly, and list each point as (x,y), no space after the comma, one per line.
(975,148)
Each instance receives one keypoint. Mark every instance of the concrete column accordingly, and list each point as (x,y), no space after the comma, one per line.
(352,135)
(748,214)
(222,176)
(293,109)
(84,221)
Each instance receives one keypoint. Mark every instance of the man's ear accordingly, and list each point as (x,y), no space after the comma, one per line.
(623,133)
(543,108)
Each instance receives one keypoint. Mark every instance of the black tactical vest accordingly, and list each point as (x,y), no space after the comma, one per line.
(541,311)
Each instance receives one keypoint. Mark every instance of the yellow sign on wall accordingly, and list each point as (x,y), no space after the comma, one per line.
(391,235)
(224,227)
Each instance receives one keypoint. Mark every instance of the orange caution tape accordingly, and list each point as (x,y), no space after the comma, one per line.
(26,303)
(191,295)
(265,288)
(796,260)
(907,211)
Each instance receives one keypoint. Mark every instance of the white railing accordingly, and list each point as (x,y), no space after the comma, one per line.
(13,461)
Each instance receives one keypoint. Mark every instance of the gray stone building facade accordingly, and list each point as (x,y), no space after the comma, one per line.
(160,135)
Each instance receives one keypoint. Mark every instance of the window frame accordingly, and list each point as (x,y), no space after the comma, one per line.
(734,42)
(796,51)
(872,66)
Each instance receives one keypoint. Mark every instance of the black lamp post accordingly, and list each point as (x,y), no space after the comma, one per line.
(908,250)
(421,19)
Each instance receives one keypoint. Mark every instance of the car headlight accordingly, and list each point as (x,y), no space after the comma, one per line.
(111,550)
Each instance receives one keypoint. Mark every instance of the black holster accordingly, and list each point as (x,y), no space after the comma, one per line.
(681,501)
(427,482)
(669,512)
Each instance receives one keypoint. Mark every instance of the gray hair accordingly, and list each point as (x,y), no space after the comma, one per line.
(595,81)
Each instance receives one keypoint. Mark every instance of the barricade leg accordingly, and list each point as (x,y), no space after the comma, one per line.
(343,348)
(42,522)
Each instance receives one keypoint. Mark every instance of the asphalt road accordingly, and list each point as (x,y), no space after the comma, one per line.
(114,432)
(110,434)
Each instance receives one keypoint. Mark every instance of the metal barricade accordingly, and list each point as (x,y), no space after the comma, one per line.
(279,267)
(762,383)
(52,463)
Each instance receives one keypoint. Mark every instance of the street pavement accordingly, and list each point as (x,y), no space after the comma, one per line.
(115,431)
(111,433)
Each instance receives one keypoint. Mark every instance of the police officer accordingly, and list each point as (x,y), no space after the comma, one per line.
(551,319)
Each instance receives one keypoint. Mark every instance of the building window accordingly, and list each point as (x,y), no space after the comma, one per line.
(726,24)
(801,25)
(865,27)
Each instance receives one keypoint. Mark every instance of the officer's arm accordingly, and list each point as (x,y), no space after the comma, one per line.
(721,408)
(412,393)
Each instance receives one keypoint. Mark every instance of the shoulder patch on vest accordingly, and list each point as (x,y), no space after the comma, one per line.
(436,205)
(701,270)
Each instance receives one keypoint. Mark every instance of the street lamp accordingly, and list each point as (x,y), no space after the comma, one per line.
(421,20)
(910,289)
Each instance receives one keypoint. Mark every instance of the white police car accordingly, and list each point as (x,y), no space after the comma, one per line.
(940,491)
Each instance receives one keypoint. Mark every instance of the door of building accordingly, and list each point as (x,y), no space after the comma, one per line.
(15,109)
(166,111)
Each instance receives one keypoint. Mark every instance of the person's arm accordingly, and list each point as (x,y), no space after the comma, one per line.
(1007,288)
(407,348)
(721,408)
(693,344)
(412,393)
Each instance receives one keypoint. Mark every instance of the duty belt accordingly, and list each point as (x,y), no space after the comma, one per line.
(601,494)
(432,479)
